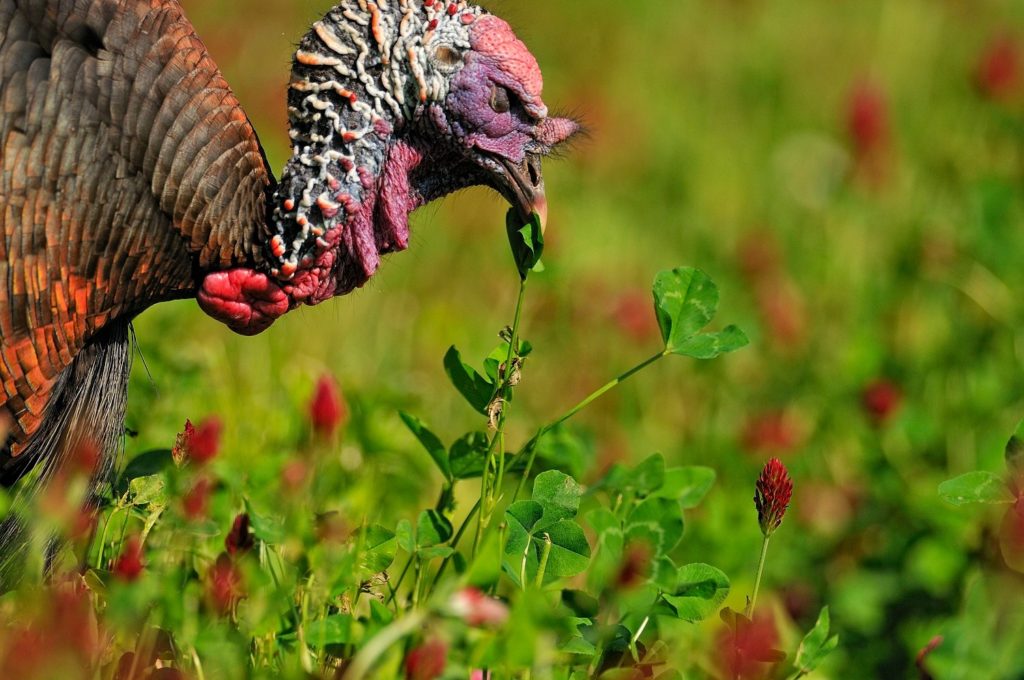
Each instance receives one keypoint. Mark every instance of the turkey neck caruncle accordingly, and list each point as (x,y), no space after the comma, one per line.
(362,98)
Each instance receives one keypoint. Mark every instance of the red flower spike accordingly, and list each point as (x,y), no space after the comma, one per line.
(197,501)
(225,586)
(770,432)
(868,119)
(998,72)
(240,539)
(774,490)
(427,661)
(327,409)
(747,648)
(128,566)
(881,399)
(198,444)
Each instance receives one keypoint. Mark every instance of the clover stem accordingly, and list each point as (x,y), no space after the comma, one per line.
(757,580)
(544,555)
(592,397)
(493,475)
(455,544)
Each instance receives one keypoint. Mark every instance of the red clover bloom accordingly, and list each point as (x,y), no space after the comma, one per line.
(774,490)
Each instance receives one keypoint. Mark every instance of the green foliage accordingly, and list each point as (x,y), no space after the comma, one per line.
(685,301)
(976,487)
(816,645)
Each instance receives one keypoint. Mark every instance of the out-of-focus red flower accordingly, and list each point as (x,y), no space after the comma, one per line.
(997,75)
(128,565)
(770,432)
(63,636)
(196,502)
(634,316)
(774,489)
(240,539)
(327,410)
(84,523)
(477,609)
(747,649)
(427,661)
(1011,536)
(881,399)
(479,674)
(293,474)
(85,458)
(225,585)
(867,119)
(198,444)
(635,566)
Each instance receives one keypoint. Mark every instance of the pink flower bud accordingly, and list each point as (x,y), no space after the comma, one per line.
(478,609)
(774,490)
(327,409)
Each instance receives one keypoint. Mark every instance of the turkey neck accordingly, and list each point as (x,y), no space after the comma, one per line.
(359,87)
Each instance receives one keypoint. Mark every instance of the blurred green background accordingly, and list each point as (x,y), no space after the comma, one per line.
(848,171)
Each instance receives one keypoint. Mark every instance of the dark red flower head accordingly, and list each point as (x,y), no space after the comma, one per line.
(240,539)
(867,119)
(128,566)
(198,444)
(998,72)
(327,409)
(427,661)
(774,490)
(225,585)
(881,399)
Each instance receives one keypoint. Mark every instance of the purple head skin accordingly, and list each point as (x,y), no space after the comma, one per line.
(392,104)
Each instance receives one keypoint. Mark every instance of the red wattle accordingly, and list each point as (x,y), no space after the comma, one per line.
(247,301)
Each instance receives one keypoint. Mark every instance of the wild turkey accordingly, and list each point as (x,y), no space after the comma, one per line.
(129,176)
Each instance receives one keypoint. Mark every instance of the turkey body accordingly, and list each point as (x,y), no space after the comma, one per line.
(129,176)
(127,168)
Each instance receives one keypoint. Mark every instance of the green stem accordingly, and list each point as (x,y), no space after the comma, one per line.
(455,544)
(592,397)
(379,644)
(488,486)
(543,566)
(757,581)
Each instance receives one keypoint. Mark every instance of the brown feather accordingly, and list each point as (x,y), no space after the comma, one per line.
(126,167)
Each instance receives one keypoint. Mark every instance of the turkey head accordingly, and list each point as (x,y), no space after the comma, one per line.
(391,105)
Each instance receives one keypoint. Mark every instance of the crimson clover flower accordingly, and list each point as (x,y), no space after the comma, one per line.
(198,444)
(327,410)
(772,496)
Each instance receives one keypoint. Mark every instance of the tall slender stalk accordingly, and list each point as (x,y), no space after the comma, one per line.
(757,580)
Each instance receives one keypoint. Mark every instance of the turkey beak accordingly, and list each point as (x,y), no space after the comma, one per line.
(525,188)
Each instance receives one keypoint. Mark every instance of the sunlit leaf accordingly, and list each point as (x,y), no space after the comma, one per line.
(700,591)
(816,645)
(474,388)
(979,486)
(430,442)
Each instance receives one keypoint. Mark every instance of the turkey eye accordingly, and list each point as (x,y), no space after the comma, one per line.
(500,101)
(447,56)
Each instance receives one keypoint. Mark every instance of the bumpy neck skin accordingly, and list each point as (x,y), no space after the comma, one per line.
(363,79)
